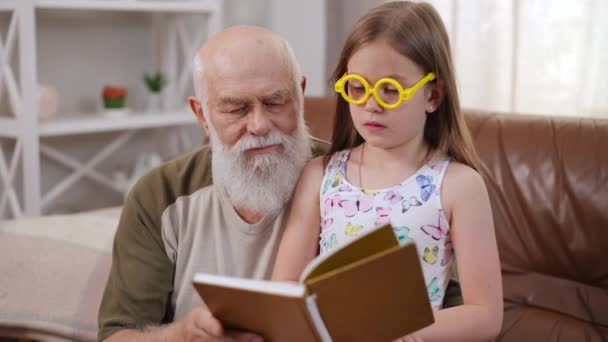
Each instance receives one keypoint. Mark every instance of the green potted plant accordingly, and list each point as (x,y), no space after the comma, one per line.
(155,83)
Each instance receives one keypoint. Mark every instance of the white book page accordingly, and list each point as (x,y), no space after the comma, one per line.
(317,320)
(262,286)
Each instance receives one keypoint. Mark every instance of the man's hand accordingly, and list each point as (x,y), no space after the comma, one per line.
(200,325)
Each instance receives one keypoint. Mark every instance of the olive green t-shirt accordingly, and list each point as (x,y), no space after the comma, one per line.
(176,223)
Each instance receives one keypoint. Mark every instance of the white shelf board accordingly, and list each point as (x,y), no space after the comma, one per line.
(96,123)
(9,127)
(191,6)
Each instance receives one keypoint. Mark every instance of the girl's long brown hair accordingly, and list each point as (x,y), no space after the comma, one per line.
(416,31)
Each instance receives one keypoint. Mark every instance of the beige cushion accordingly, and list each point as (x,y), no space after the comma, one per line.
(53,271)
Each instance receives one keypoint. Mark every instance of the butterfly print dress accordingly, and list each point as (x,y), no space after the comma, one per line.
(413,207)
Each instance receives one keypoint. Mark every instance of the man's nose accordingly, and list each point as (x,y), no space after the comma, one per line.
(259,123)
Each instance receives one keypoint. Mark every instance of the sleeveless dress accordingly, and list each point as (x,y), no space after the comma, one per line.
(413,207)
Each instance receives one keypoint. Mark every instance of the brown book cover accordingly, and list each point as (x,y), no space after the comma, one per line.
(369,290)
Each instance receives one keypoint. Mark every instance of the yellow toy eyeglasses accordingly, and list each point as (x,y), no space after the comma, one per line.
(388,92)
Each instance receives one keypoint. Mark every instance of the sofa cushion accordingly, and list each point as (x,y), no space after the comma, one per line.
(547,178)
(522,323)
(54,270)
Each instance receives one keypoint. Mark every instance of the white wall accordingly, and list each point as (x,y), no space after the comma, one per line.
(301,23)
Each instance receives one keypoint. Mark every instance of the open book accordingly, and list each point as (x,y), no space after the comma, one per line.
(371,289)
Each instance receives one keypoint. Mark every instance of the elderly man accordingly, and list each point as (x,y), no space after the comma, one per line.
(219,209)
(249,100)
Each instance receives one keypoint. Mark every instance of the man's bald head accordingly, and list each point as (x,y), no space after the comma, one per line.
(241,50)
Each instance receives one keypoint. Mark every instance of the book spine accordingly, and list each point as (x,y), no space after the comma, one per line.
(317,320)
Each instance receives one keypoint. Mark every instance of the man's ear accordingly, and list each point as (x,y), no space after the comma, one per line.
(303,84)
(197,108)
(436,96)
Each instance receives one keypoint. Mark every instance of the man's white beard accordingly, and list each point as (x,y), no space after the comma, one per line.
(262,183)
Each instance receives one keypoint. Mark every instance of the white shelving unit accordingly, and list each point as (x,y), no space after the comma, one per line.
(28,136)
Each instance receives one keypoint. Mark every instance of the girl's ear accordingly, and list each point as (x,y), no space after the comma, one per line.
(435,96)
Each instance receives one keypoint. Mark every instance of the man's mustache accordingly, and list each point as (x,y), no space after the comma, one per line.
(275,137)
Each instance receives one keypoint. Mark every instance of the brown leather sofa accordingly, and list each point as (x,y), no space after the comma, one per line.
(548,183)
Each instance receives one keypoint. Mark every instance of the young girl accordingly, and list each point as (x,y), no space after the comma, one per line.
(401,153)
